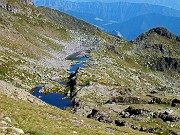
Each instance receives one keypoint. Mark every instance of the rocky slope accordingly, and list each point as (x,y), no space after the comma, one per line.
(33,49)
(134,84)
(125,84)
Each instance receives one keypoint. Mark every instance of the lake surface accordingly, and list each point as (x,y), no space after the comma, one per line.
(81,61)
(57,99)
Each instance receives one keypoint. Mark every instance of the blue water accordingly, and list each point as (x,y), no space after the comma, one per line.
(82,61)
(75,67)
(54,99)
(63,83)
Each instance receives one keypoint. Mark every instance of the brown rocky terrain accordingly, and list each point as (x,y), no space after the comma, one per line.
(134,84)
(129,87)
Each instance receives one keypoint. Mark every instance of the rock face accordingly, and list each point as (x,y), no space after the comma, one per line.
(8,7)
(127,100)
(14,9)
(160,31)
(165,63)
(176,102)
(157,52)
(29,2)
(165,33)
(100,116)
(17,93)
(166,117)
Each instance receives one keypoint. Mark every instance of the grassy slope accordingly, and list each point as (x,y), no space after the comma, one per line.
(22,47)
(23,41)
(47,120)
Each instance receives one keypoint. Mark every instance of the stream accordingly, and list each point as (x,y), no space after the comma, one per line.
(57,99)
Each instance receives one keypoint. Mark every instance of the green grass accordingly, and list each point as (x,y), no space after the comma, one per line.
(47,120)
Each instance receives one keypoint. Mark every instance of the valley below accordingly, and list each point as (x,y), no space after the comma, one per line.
(60,75)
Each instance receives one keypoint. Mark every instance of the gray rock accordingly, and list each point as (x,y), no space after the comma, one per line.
(126,115)
(7,119)
(175,102)
(169,111)
(120,123)
(3,123)
(18,130)
(170,118)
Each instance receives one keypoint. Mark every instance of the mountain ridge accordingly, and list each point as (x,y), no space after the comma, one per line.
(137,25)
(125,87)
(113,15)
(172,4)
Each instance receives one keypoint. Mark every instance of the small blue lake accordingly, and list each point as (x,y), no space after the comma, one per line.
(54,99)
(73,68)
(81,61)
(57,99)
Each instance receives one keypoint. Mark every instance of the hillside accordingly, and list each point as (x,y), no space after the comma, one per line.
(134,84)
(125,88)
(33,49)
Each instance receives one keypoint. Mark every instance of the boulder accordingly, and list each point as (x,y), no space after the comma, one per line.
(170,118)
(169,111)
(100,116)
(175,102)
(18,130)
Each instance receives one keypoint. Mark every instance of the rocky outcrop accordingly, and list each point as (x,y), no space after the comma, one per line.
(175,102)
(135,127)
(8,7)
(17,93)
(158,48)
(126,100)
(166,63)
(159,56)
(166,117)
(135,111)
(165,33)
(14,9)
(100,116)
(29,2)
(158,100)
(160,31)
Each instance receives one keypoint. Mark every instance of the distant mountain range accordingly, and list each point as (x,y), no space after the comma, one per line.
(167,3)
(137,25)
(129,19)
